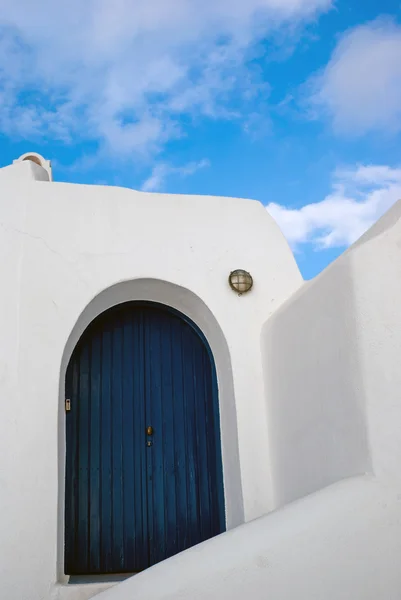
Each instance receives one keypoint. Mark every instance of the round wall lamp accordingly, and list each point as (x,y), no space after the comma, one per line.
(240,281)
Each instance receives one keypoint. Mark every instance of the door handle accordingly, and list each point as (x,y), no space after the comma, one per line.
(149,430)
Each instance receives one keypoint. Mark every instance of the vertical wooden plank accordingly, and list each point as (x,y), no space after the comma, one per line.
(147,338)
(117,450)
(82,549)
(140,449)
(155,454)
(168,322)
(106,537)
(129,491)
(71,468)
(180,454)
(191,451)
(203,482)
(94,471)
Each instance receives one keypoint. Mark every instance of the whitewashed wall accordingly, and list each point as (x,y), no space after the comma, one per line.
(70,253)
(332,370)
(342,543)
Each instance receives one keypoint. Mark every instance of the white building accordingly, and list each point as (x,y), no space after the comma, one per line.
(188,409)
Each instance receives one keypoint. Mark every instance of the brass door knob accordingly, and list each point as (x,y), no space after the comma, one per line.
(149,430)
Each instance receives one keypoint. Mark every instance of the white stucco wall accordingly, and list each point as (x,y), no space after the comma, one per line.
(342,543)
(73,251)
(332,370)
(314,386)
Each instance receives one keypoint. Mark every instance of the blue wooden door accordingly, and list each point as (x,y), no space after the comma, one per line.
(143,455)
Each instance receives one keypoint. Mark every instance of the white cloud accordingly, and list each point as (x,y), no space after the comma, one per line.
(360,88)
(124,72)
(358,198)
(161,171)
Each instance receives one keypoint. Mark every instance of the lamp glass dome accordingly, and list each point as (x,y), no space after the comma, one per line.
(240,281)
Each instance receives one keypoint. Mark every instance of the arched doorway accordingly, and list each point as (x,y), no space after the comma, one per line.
(143,455)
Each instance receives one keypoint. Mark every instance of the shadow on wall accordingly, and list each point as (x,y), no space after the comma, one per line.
(314,386)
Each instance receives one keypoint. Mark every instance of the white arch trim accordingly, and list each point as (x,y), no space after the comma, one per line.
(193,307)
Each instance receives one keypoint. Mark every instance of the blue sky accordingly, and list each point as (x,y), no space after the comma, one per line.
(296,103)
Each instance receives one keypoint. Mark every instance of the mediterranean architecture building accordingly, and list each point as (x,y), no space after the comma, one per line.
(182,415)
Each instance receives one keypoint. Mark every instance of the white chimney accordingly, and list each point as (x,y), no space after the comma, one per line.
(39,160)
